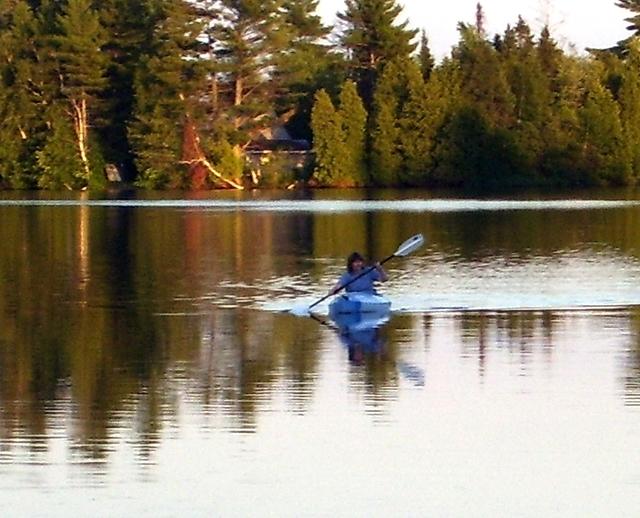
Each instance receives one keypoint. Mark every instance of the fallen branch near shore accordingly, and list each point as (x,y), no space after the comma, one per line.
(203,161)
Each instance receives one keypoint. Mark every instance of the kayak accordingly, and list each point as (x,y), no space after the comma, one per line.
(359,302)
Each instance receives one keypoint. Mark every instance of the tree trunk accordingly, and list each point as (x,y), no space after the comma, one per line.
(237,100)
(81,127)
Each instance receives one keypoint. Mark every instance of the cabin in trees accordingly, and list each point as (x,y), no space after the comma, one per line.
(274,156)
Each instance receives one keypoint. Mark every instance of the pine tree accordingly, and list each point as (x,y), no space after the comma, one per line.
(480,22)
(129,27)
(602,137)
(634,20)
(425,58)
(20,103)
(331,154)
(549,54)
(629,100)
(530,88)
(306,65)
(371,37)
(483,77)
(391,94)
(81,70)
(58,167)
(421,120)
(354,122)
(247,36)
(304,52)
(167,87)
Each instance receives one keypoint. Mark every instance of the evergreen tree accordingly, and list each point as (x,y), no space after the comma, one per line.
(531,91)
(20,124)
(601,136)
(629,100)
(167,90)
(634,20)
(475,155)
(421,120)
(483,77)
(247,38)
(306,65)
(425,58)
(129,31)
(372,36)
(549,55)
(58,167)
(354,122)
(392,92)
(328,142)
(480,22)
(80,73)
(304,53)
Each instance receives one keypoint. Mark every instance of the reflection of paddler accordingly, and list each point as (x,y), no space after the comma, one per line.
(360,335)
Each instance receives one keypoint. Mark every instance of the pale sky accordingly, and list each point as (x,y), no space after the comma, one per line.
(578,23)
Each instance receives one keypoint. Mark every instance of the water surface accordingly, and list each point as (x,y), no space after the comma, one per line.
(149,366)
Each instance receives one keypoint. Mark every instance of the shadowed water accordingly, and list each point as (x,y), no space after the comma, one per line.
(149,364)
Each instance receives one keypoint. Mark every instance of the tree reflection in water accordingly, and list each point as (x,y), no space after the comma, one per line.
(116,320)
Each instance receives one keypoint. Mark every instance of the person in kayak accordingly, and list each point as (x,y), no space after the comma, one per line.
(355,267)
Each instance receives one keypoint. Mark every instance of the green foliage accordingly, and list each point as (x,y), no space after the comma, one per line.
(156,137)
(78,50)
(158,86)
(329,143)
(484,79)
(247,38)
(475,155)
(129,33)
(425,58)
(165,85)
(629,101)
(59,167)
(372,36)
(354,122)
(385,159)
(227,160)
(20,125)
(602,138)
(421,118)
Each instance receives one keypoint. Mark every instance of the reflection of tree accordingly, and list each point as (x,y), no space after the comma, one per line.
(103,310)
(535,233)
(632,375)
(115,318)
(520,333)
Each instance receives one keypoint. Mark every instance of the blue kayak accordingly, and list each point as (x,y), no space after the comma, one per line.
(359,302)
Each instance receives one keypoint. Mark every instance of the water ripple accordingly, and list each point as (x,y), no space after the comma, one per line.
(339,206)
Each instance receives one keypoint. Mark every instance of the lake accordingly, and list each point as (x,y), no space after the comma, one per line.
(150,364)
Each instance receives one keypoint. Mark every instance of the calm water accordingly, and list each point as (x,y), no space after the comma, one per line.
(149,365)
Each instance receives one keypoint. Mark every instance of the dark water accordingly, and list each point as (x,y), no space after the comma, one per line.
(149,366)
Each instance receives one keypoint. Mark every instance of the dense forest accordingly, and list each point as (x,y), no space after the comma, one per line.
(176,94)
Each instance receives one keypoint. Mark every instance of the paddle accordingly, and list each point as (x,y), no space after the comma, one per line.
(406,248)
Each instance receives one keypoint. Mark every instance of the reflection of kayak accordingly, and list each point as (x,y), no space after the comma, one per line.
(360,332)
(359,303)
(354,322)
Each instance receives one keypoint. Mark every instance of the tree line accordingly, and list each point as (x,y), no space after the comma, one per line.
(171,93)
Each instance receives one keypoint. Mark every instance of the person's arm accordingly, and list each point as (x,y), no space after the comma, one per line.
(338,285)
(336,288)
(383,277)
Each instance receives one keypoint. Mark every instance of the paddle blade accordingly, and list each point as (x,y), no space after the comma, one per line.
(410,246)
(300,310)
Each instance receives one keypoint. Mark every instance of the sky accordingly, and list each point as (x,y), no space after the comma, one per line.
(575,24)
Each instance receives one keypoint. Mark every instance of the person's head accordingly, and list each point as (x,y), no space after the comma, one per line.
(354,262)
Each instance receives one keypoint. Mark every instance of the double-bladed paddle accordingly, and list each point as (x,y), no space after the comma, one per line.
(406,248)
